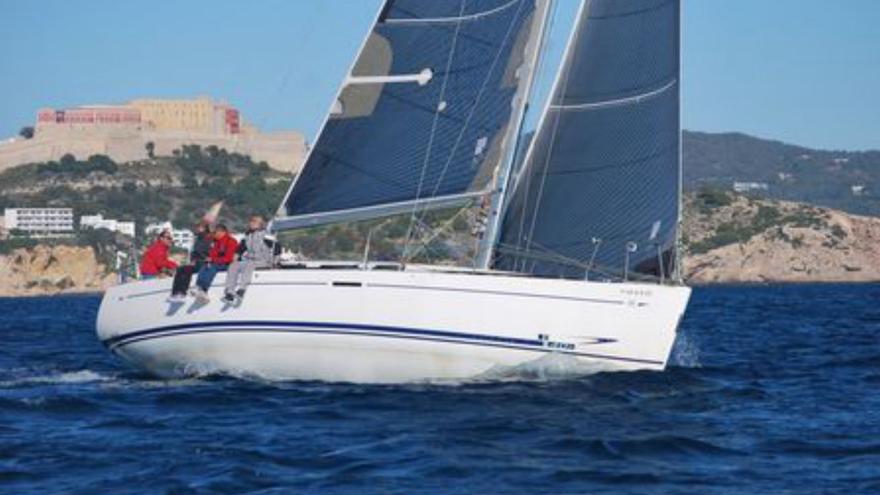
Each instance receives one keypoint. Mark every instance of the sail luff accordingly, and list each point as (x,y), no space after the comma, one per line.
(549,103)
(504,171)
(558,80)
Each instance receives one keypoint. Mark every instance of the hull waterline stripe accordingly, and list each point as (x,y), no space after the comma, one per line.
(324,326)
(356,330)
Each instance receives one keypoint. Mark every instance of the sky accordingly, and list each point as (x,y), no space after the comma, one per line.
(801,71)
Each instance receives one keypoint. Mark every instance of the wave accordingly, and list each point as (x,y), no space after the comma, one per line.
(59,378)
(552,367)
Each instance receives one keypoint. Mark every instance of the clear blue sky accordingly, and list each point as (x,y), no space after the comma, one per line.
(804,71)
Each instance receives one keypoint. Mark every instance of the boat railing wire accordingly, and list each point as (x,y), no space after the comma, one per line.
(596,271)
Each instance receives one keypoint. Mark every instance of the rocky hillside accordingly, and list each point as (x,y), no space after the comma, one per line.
(732,238)
(52,270)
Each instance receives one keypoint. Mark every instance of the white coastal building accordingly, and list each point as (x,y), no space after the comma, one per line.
(99,222)
(744,187)
(40,222)
(183,238)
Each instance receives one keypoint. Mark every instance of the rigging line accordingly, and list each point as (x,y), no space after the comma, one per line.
(548,256)
(436,119)
(540,67)
(461,17)
(438,231)
(524,167)
(479,97)
(554,134)
(630,100)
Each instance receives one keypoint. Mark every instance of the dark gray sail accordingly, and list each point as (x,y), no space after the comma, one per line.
(600,184)
(424,117)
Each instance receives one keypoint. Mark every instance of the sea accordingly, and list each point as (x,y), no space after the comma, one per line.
(772,390)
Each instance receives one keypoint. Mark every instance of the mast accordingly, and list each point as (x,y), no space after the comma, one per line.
(677,274)
(487,244)
(514,179)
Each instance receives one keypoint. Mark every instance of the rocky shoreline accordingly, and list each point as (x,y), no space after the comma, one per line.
(743,240)
(48,270)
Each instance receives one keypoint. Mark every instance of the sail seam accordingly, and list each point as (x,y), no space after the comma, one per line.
(462,18)
(618,165)
(630,100)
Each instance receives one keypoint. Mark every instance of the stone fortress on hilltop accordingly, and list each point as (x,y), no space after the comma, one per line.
(143,128)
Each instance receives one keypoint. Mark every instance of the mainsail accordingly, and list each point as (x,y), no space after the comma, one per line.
(426,115)
(599,188)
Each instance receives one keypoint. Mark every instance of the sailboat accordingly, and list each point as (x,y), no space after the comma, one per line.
(579,253)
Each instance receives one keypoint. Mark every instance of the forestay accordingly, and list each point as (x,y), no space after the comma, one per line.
(425,116)
(599,187)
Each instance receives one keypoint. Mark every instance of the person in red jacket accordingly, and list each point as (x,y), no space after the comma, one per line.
(219,258)
(155,261)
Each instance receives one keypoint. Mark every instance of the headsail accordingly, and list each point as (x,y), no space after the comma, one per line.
(424,118)
(600,185)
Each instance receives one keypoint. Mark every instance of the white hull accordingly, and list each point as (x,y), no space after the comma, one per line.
(381,326)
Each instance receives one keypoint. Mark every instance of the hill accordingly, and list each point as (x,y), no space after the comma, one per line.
(734,238)
(178,188)
(845,180)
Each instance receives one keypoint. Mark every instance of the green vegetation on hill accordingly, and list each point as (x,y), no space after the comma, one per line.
(794,173)
(179,188)
(182,187)
(746,218)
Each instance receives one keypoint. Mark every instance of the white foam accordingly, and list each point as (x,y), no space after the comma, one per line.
(70,377)
(685,352)
(551,367)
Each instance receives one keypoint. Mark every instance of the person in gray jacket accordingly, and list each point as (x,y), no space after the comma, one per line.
(256,250)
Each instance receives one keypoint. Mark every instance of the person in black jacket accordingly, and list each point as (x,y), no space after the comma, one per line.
(183,276)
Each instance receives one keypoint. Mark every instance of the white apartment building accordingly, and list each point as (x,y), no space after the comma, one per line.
(40,222)
(99,222)
(183,238)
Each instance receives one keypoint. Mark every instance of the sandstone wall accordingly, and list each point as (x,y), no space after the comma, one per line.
(283,151)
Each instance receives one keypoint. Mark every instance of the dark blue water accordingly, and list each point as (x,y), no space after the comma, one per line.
(775,390)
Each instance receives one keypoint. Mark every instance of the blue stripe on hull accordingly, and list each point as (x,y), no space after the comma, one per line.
(534,345)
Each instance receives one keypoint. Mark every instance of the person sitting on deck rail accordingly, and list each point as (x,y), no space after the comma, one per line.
(255,251)
(155,262)
(219,258)
(197,258)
